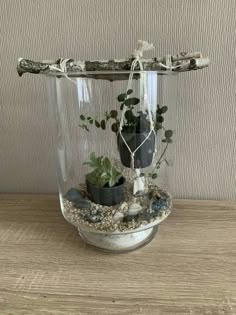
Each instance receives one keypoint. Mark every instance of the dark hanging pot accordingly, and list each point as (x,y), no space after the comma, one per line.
(106,196)
(144,155)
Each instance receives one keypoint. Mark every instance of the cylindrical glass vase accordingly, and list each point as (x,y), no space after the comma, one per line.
(114,136)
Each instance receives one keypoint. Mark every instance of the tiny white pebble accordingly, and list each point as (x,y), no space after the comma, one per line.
(118,217)
(134,209)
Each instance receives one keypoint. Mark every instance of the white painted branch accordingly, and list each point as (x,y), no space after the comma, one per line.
(184,61)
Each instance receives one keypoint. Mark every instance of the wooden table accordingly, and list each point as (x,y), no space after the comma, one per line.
(189,268)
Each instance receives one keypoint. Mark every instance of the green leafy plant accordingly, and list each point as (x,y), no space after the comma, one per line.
(104,174)
(134,123)
(168,133)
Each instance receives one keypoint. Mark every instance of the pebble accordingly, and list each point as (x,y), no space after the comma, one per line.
(75,196)
(124,206)
(118,217)
(134,209)
(94,219)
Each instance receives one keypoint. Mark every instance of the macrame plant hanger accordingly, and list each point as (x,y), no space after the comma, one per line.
(137,55)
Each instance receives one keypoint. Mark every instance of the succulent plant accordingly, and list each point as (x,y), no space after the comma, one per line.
(104,174)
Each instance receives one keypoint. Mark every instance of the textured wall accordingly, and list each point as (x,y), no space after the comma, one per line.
(42,29)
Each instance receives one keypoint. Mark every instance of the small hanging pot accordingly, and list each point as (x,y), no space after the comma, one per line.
(144,155)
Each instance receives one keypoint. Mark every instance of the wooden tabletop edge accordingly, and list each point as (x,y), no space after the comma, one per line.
(177,202)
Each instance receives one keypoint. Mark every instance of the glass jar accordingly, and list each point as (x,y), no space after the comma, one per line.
(114,139)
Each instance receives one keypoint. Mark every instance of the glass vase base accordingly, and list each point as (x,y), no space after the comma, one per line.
(119,243)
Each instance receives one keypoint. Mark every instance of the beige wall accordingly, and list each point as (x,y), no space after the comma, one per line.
(43,29)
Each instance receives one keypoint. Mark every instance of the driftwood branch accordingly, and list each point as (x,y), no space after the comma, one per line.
(180,63)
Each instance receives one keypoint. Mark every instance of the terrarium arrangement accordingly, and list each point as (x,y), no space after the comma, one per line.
(114,127)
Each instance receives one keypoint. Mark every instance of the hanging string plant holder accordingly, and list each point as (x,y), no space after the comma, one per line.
(136,149)
(137,146)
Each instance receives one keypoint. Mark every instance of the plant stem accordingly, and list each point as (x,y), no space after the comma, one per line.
(159,160)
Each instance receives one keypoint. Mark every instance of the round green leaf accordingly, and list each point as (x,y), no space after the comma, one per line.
(97,124)
(168,133)
(160,119)
(159,111)
(115,127)
(129,115)
(82,117)
(103,124)
(132,101)
(164,109)
(158,126)
(113,113)
(121,97)
(154,176)
(130,91)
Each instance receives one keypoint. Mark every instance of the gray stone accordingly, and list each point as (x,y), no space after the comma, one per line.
(118,217)
(124,206)
(134,209)
(75,196)
(94,219)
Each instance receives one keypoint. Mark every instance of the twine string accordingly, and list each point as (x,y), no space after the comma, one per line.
(137,55)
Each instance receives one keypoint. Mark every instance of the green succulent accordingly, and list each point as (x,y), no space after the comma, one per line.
(104,174)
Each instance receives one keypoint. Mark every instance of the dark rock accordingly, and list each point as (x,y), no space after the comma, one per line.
(129,218)
(75,196)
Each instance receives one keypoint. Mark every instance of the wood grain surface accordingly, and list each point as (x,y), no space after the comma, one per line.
(189,268)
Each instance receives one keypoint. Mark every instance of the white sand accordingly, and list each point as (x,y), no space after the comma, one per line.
(115,242)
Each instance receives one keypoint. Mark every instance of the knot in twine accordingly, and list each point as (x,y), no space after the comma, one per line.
(62,68)
(168,65)
(138,53)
